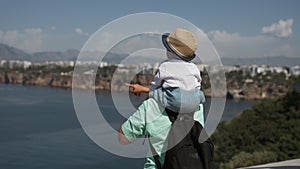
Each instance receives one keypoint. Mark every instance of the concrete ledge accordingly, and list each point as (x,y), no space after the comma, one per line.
(289,164)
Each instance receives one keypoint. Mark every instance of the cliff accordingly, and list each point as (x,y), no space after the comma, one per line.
(236,89)
(35,78)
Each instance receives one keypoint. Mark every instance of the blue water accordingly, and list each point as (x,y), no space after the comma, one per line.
(39,129)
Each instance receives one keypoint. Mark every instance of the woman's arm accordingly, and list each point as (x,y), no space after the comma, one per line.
(121,137)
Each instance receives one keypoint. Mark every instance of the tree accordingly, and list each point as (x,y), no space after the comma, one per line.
(267,132)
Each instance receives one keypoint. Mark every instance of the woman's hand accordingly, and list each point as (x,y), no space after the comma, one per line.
(137,89)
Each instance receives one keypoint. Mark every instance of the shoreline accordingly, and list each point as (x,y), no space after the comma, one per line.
(101,90)
(236,90)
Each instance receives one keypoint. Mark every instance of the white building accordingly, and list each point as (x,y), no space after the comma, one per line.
(232,68)
(295,70)
(26,64)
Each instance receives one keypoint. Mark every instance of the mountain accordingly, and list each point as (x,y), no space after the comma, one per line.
(11,53)
(69,55)
(271,61)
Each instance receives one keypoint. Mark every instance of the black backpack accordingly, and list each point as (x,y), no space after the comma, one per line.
(189,152)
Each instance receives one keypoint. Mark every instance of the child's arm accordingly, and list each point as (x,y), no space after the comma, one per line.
(137,89)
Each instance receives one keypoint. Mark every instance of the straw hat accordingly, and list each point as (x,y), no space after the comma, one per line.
(183,43)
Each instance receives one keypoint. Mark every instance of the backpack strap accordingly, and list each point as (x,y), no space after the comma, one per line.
(172,116)
(155,156)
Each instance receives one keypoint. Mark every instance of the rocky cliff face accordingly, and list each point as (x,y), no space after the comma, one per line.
(235,90)
(35,78)
(253,91)
(65,81)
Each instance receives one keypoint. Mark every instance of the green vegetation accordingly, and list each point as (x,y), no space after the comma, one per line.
(205,83)
(268,132)
(275,78)
(42,69)
(51,69)
(106,71)
(260,79)
(238,76)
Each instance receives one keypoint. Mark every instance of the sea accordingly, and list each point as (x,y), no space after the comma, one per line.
(39,129)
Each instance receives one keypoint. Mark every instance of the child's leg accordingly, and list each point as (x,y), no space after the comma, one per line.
(178,100)
(202,96)
(183,101)
(169,98)
(159,95)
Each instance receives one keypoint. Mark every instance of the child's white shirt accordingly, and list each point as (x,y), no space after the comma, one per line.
(177,73)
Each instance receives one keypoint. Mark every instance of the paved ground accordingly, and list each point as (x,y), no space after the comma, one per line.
(289,164)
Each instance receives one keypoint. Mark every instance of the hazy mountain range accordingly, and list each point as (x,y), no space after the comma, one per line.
(11,53)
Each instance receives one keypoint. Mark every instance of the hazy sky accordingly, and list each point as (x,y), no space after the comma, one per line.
(238,28)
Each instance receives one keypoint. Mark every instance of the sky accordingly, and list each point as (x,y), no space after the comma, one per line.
(237,28)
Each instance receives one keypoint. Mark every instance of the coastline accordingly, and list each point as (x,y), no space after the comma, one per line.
(236,90)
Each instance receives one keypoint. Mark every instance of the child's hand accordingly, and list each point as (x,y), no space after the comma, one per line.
(137,89)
